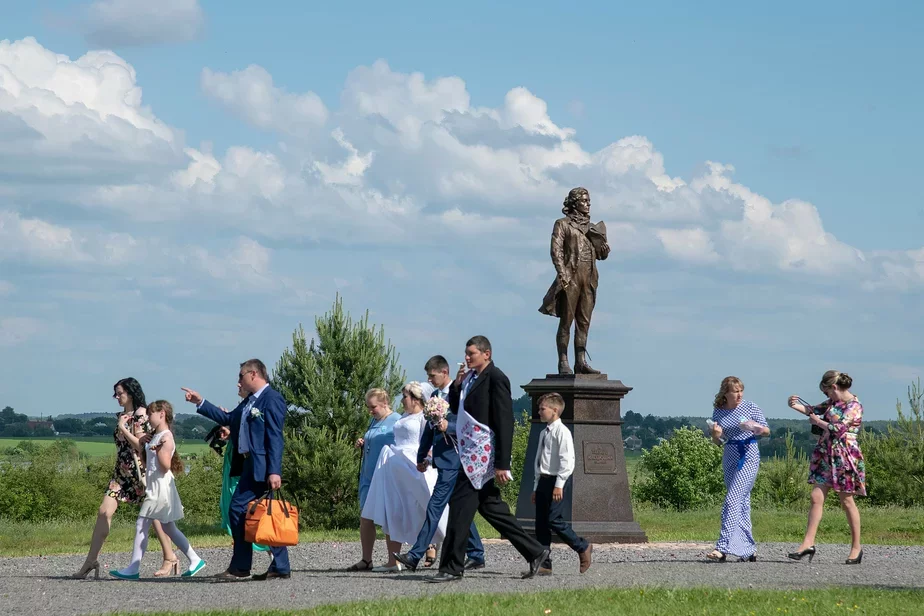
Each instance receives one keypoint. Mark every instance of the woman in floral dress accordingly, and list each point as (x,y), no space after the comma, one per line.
(127,483)
(836,461)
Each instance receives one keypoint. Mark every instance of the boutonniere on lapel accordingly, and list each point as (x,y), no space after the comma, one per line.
(256,414)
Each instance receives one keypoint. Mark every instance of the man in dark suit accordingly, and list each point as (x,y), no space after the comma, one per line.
(483,394)
(446,462)
(256,433)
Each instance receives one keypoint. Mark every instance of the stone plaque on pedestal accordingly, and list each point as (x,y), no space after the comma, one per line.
(597,500)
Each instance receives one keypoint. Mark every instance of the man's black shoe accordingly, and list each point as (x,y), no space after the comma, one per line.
(537,563)
(271,575)
(405,560)
(471,564)
(441,577)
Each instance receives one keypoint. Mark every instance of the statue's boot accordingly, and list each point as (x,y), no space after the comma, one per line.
(563,366)
(580,362)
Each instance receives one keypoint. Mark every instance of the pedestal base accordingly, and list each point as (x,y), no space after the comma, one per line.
(597,500)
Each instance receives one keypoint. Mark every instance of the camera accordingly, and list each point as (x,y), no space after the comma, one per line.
(213,438)
(815,429)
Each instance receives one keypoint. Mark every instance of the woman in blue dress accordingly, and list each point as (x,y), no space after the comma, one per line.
(737,423)
(379,434)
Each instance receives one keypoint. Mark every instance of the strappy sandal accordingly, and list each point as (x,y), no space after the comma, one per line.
(716,556)
(430,556)
(362,565)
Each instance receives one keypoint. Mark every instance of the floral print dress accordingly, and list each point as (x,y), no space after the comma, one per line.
(127,483)
(837,461)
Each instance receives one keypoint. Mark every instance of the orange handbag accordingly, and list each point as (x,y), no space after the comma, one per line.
(271,520)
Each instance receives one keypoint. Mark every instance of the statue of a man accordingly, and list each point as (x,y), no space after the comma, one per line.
(576,246)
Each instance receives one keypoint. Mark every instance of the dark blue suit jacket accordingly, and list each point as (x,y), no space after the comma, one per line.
(265,431)
(444,454)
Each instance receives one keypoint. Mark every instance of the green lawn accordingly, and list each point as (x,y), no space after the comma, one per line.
(631,602)
(884,526)
(98,446)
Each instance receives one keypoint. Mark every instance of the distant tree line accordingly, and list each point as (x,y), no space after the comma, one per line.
(17,425)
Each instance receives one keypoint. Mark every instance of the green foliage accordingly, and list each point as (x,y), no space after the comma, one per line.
(58,482)
(682,472)
(325,384)
(200,490)
(322,472)
(42,488)
(9,416)
(511,490)
(895,459)
(782,479)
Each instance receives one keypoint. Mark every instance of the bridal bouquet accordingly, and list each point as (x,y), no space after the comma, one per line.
(436,410)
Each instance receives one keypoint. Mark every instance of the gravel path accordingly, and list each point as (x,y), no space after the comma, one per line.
(38,585)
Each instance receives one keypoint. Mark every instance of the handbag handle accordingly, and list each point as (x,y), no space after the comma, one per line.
(272,495)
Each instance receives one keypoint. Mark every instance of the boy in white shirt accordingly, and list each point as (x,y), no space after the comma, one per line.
(553,467)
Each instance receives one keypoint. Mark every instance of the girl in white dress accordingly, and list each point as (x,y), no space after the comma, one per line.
(399,493)
(161,500)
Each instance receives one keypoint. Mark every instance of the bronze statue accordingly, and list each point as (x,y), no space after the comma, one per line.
(576,246)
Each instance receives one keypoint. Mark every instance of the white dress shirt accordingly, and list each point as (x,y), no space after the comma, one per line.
(555,455)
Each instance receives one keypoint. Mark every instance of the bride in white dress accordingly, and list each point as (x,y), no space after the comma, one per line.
(398,497)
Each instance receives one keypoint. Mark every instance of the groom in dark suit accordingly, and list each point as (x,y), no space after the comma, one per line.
(256,433)
(446,462)
(483,392)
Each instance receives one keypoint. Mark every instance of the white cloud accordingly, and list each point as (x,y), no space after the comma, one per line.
(124,23)
(76,120)
(692,245)
(246,264)
(251,95)
(407,153)
(351,170)
(33,240)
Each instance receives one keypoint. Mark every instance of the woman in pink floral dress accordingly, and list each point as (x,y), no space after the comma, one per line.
(836,461)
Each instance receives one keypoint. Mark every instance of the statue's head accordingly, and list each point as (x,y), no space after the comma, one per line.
(578,200)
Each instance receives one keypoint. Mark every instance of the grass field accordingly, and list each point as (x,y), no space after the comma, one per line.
(98,446)
(631,602)
(881,525)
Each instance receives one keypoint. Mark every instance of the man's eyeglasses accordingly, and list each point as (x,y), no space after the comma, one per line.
(240,375)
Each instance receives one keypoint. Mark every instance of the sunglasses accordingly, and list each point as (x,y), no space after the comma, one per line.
(138,418)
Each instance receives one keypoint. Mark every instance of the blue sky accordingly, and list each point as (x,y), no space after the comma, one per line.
(413,159)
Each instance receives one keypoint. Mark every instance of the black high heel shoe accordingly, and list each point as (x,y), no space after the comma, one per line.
(750,559)
(810,552)
(855,561)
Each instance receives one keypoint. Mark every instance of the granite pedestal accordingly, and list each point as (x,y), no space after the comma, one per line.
(597,500)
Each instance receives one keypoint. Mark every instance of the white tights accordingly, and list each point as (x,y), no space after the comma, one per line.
(142,529)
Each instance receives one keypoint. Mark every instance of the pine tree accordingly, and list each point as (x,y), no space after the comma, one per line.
(325,383)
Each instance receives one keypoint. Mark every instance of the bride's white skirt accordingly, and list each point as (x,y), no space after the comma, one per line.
(398,497)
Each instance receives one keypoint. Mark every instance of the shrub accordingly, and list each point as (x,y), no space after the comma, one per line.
(511,490)
(783,479)
(44,489)
(200,490)
(895,459)
(321,469)
(682,472)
